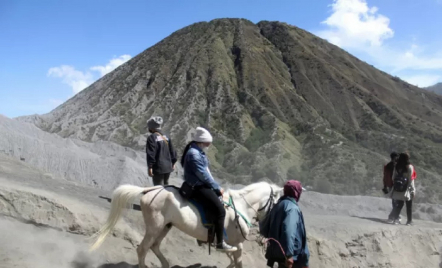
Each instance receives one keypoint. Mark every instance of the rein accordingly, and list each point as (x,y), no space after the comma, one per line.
(269,201)
(238,214)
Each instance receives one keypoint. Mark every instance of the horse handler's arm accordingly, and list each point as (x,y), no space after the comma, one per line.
(291,240)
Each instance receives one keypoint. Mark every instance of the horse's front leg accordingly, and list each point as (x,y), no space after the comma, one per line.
(232,260)
(237,256)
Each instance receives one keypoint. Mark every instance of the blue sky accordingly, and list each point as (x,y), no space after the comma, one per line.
(50,50)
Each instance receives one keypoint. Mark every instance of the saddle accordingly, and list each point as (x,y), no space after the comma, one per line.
(207,219)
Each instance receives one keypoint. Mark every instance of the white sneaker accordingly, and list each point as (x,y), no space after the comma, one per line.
(223,247)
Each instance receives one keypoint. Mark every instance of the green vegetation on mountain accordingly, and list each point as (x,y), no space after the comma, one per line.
(281,103)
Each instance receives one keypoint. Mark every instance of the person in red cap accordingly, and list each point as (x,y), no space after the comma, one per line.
(285,224)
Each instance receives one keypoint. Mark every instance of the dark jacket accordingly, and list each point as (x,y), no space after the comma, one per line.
(285,223)
(160,154)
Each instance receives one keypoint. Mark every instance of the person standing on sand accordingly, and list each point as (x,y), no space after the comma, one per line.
(388,182)
(403,187)
(160,154)
(285,224)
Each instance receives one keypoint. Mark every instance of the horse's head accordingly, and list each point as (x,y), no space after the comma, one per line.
(259,198)
(268,201)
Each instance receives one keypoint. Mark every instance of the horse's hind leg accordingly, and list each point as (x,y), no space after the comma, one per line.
(143,248)
(156,246)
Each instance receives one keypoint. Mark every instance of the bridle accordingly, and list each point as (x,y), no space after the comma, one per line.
(238,214)
(269,202)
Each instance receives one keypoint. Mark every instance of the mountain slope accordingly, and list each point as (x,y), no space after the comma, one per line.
(436,88)
(102,164)
(280,101)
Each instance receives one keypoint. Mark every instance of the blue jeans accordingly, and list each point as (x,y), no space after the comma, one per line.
(400,205)
(394,205)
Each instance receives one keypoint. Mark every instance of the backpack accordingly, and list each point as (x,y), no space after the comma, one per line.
(400,182)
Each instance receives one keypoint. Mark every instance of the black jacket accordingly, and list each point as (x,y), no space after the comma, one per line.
(160,154)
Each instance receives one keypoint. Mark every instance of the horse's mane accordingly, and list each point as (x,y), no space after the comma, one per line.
(249,188)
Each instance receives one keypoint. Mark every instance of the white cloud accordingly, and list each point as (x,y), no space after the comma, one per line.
(395,60)
(416,61)
(112,64)
(422,80)
(360,28)
(353,23)
(79,80)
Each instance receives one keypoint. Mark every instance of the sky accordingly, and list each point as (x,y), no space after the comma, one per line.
(50,49)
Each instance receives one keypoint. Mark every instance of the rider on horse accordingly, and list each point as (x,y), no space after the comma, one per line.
(205,189)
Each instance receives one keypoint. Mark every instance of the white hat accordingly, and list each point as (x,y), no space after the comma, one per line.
(202,135)
(155,122)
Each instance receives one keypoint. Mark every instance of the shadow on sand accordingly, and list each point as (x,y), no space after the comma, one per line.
(373,219)
(127,265)
(118,265)
(194,266)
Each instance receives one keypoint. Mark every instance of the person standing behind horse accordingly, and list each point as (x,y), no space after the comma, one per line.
(285,224)
(205,189)
(160,154)
(403,186)
(388,183)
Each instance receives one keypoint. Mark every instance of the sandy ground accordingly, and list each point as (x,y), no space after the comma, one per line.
(50,206)
(47,222)
(101,164)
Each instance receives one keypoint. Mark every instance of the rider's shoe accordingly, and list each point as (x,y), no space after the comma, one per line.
(223,247)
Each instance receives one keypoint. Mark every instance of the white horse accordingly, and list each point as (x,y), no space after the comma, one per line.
(164,208)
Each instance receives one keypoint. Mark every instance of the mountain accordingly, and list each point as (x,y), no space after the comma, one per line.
(436,88)
(281,103)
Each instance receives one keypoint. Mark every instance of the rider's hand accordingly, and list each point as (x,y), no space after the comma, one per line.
(173,167)
(221,191)
(289,262)
(150,173)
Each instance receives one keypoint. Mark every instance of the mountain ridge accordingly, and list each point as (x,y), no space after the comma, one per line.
(281,103)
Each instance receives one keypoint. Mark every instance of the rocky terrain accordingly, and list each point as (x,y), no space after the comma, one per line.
(48,222)
(48,219)
(281,103)
(105,165)
(101,164)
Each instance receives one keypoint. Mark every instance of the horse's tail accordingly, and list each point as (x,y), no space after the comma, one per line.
(122,197)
